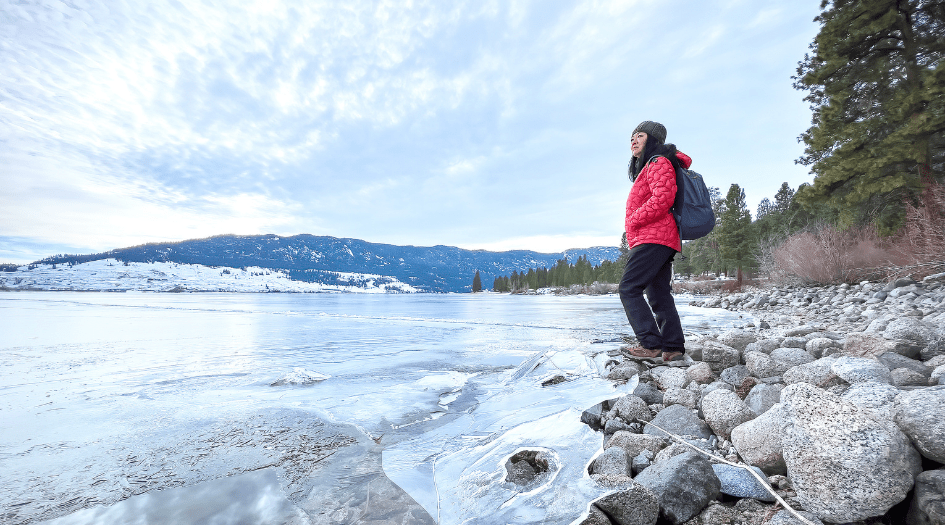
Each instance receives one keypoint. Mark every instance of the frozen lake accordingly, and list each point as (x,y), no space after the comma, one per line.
(281,408)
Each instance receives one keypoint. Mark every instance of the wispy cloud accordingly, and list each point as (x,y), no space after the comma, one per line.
(422,122)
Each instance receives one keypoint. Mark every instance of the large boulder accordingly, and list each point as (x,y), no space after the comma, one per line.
(921,415)
(877,397)
(719,356)
(678,420)
(724,410)
(928,504)
(844,463)
(860,370)
(759,441)
(683,485)
(822,346)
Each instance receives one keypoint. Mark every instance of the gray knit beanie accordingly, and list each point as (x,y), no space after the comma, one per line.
(653,129)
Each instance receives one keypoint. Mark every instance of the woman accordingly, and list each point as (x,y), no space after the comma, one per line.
(653,238)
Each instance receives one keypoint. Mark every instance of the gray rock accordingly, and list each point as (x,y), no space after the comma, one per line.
(724,410)
(737,339)
(928,503)
(935,349)
(700,373)
(876,397)
(592,416)
(667,378)
(634,444)
(908,377)
(898,283)
(683,485)
(862,344)
(801,331)
(759,441)
(764,396)
(764,346)
(893,361)
(788,357)
(641,461)
(523,467)
(820,346)
(937,375)
(845,463)
(648,393)
(818,373)
(636,505)
(612,481)
(761,365)
(678,420)
(735,375)
(624,370)
(629,408)
(719,356)
(595,516)
(618,425)
(912,333)
(785,517)
(860,370)
(679,396)
(921,415)
(794,342)
(738,482)
(612,461)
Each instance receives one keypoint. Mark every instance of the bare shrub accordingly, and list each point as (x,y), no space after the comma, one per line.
(921,241)
(827,254)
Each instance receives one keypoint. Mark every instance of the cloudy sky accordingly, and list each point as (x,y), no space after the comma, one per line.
(484,124)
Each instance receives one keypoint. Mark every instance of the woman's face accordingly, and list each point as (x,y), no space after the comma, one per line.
(637,142)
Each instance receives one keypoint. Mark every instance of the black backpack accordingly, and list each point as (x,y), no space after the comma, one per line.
(692,207)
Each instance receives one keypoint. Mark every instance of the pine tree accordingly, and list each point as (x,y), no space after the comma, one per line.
(477,283)
(735,237)
(876,84)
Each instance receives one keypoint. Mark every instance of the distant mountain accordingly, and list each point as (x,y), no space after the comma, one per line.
(313,258)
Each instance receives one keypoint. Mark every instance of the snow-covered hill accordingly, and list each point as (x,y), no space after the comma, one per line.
(321,259)
(114,275)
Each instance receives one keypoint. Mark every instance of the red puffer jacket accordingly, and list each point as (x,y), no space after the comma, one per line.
(648,218)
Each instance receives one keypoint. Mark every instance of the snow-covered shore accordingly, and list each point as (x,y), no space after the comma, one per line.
(110,275)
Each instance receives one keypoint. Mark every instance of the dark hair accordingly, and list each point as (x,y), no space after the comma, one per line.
(651,148)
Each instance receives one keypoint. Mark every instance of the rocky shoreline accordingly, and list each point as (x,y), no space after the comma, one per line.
(835,395)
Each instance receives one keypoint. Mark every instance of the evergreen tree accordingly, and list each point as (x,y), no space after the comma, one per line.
(764,208)
(735,239)
(783,198)
(477,283)
(876,85)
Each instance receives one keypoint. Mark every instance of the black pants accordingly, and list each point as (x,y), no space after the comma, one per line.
(650,269)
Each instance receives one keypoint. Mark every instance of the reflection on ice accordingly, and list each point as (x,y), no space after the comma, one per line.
(457,471)
(253,497)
